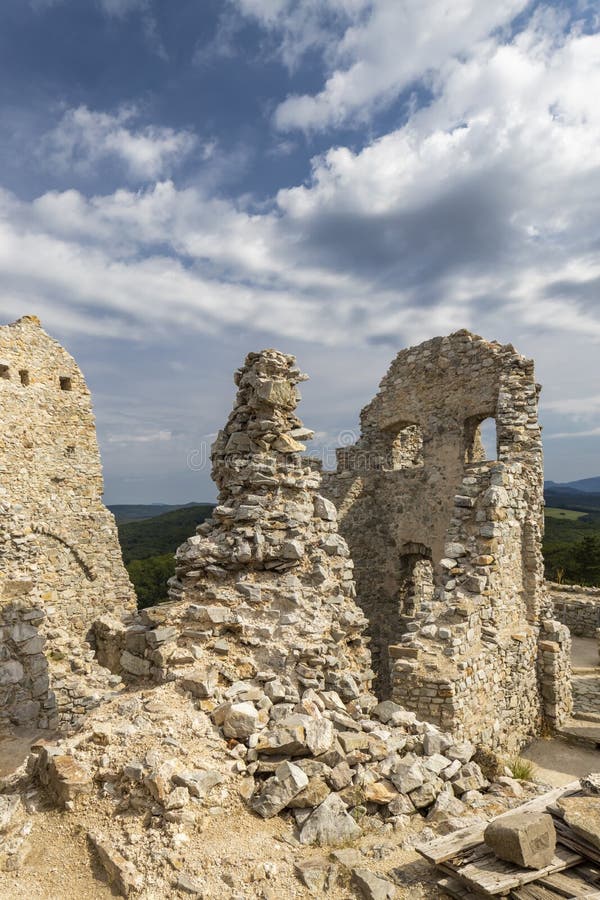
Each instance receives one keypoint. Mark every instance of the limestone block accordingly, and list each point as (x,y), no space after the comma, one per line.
(121,873)
(199,783)
(325,509)
(371,886)
(313,794)
(329,824)
(407,776)
(526,839)
(241,720)
(134,665)
(277,792)
(200,682)
(67,778)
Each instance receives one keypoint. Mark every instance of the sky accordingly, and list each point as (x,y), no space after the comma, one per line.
(185,181)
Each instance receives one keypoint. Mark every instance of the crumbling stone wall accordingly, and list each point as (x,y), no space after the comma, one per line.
(25,695)
(447,544)
(266,584)
(577,607)
(54,529)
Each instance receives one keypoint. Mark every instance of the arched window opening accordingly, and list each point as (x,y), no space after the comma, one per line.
(481,439)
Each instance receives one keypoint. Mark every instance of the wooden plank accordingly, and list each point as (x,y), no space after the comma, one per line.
(452,845)
(458,890)
(567,884)
(496,876)
(589,871)
(534,891)
(570,839)
(440,850)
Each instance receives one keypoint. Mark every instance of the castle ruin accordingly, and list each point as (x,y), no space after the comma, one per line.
(60,560)
(447,543)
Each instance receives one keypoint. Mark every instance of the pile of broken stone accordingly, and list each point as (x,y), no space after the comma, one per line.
(332,763)
(335,771)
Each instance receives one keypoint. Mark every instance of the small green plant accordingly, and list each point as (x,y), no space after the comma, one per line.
(522,769)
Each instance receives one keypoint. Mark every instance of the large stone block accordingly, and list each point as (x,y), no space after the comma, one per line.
(527,839)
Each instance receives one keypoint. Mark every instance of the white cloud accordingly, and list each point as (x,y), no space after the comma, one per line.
(372,49)
(149,437)
(573,435)
(576,407)
(83,138)
(481,211)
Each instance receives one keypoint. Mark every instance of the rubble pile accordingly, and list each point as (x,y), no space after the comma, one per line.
(172,803)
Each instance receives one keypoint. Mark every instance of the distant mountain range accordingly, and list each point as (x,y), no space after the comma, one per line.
(136,512)
(584,485)
(131,512)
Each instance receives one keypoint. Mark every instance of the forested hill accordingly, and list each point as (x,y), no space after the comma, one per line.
(149,544)
(572,539)
(161,534)
(571,544)
(135,512)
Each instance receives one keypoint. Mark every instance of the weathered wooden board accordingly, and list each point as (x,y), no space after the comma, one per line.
(453,845)
(576,843)
(570,883)
(493,876)
(458,890)
(534,892)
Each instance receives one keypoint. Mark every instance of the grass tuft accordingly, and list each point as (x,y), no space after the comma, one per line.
(522,769)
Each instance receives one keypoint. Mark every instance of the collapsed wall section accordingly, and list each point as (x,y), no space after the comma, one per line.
(447,543)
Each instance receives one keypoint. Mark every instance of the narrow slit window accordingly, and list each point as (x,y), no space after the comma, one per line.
(24,376)
(65,383)
(4,372)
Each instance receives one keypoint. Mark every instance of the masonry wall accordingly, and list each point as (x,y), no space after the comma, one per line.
(25,694)
(577,607)
(447,544)
(54,529)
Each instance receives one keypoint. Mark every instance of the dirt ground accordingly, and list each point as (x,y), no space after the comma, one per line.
(558,762)
(584,653)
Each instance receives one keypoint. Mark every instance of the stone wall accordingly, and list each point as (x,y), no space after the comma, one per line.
(25,695)
(446,543)
(577,607)
(55,531)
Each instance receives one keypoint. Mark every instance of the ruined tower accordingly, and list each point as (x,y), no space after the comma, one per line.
(269,569)
(447,543)
(60,560)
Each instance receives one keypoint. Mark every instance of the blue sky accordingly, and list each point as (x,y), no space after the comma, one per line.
(183,181)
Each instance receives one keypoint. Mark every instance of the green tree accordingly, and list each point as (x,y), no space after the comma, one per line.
(149,577)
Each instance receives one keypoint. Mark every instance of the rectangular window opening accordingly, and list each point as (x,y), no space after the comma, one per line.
(65,383)
(4,371)
(24,376)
